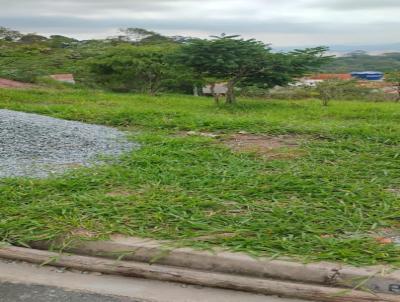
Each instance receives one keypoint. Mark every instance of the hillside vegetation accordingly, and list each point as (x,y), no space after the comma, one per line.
(142,61)
(28,57)
(362,62)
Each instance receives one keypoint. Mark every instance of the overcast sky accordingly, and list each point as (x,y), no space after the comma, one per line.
(280,22)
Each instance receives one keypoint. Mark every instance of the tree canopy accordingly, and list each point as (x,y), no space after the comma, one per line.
(238,61)
(145,69)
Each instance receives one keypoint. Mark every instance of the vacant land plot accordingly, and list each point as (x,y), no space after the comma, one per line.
(320,183)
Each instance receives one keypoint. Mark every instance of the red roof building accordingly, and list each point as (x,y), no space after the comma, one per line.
(331,76)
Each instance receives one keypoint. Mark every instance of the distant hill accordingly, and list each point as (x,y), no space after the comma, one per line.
(341,50)
(370,49)
(361,61)
(384,57)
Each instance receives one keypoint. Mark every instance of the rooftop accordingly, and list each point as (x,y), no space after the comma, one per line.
(331,76)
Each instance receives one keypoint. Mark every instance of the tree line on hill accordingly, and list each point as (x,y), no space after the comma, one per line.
(362,61)
(139,60)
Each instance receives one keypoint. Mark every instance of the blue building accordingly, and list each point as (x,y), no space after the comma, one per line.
(368,75)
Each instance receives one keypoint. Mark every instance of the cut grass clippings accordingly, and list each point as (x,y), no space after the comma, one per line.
(321,204)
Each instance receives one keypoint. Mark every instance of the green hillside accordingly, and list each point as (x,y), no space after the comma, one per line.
(360,62)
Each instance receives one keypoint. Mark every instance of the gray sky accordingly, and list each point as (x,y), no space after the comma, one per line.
(280,22)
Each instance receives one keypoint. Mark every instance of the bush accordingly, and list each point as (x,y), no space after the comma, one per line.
(379,96)
(279,93)
(345,90)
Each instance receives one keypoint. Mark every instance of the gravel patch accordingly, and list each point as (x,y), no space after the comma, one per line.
(38,146)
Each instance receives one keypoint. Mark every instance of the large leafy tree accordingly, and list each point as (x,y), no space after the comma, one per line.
(131,68)
(247,62)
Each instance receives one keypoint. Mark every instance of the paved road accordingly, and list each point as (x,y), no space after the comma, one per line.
(25,282)
(38,293)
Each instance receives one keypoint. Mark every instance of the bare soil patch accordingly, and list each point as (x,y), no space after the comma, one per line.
(4,83)
(214,237)
(195,133)
(282,146)
(83,233)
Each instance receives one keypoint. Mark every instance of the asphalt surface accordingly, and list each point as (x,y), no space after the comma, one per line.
(26,282)
(38,293)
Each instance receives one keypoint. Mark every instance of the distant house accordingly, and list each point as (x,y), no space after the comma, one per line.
(368,75)
(219,88)
(312,81)
(331,76)
(305,82)
(65,78)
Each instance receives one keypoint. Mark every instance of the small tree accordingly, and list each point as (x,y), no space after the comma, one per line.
(334,89)
(236,61)
(394,78)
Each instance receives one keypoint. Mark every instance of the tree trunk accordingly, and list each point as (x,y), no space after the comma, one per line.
(215,95)
(230,94)
(152,91)
(195,91)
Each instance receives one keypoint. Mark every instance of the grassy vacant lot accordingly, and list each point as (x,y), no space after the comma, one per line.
(324,198)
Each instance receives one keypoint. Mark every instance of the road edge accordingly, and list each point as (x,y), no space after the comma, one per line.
(378,279)
(195,277)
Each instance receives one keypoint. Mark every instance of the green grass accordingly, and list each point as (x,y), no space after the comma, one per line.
(319,205)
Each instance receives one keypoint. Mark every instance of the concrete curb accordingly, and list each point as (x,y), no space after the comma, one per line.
(195,277)
(378,279)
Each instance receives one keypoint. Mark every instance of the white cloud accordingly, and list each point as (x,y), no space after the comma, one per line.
(357,5)
(282,22)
